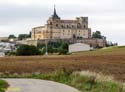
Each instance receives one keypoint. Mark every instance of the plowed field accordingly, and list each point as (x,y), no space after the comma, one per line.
(109,61)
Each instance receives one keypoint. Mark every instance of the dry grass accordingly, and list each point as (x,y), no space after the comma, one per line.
(99,77)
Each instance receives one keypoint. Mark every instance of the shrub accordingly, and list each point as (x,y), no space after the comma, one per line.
(63,49)
(3,85)
(25,50)
(12,53)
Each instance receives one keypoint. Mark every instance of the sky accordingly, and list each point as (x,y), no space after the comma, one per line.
(107,16)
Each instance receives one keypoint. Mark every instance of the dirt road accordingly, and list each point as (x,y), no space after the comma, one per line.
(35,85)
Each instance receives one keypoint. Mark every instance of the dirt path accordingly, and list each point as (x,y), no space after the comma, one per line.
(35,85)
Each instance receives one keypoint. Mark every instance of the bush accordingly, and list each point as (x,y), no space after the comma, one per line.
(63,49)
(12,54)
(25,50)
(3,86)
(54,47)
(42,51)
(82,82)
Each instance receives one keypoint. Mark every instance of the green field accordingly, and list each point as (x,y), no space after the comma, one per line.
(114,50)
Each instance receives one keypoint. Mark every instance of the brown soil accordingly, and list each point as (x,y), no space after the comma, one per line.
(108,64)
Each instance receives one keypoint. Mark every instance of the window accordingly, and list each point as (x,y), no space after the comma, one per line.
(56,25)
(62,26)
(84,26)
(51,23)
(78,26)
(74,36)
(84,20)
(67,26)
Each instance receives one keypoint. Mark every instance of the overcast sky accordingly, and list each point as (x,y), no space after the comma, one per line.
(107,16)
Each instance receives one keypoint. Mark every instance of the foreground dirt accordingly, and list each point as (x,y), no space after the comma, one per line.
(108,64)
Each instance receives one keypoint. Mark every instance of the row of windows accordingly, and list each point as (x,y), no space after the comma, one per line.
(71,30)
(71,26)
(43,31)
(70,33)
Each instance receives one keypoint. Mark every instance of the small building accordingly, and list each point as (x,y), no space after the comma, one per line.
(79,47)
(7,47)
(2,54)
(3,38)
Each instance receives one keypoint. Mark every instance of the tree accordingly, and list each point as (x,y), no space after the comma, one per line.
(11,37)
(27,50)
(30,34)
(54,47)
(23,36)
(63,49)
(97,34)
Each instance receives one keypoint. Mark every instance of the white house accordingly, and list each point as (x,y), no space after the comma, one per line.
(7,47)
(79,47)
(2,54)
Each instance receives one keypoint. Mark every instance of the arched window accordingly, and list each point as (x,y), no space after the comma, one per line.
(51,23)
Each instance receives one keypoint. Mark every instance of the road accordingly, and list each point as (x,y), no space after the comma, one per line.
(36,85)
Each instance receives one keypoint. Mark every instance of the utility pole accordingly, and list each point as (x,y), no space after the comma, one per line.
(46,53)
(46,43)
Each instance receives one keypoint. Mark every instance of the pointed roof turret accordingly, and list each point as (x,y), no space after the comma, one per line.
(55,16)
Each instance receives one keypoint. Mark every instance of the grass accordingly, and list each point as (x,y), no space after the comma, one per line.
(114,50)
(85,82)
(3,85)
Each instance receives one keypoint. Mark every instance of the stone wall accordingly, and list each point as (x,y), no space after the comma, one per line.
(92,42)
(28,42)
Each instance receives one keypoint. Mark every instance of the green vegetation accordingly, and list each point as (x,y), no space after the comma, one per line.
(28,50)
(55,47)
(114,47)
(83,82)
(25,50)
(11,37)
(23,36)
(3,86)
(63,49)
(97,34)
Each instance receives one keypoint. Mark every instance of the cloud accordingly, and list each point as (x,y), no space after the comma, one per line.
(20,16)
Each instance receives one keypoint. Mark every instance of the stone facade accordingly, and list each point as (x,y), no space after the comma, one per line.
(62,29)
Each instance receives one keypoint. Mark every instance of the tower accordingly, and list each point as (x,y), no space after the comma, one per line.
(55,16)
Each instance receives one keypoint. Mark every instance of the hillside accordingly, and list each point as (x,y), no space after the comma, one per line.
(110,61)
(114,50)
